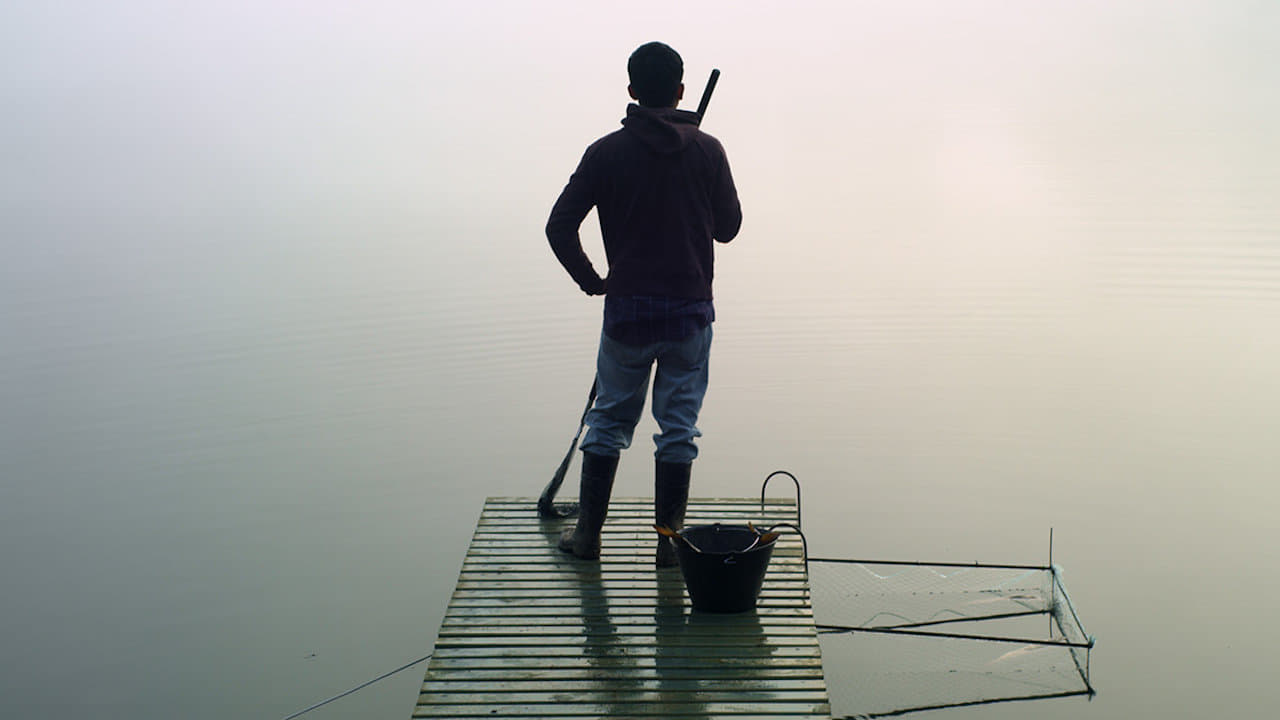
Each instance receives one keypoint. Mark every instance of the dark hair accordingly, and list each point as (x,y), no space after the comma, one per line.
(656,71)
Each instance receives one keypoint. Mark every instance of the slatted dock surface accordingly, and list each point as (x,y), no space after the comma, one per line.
(534,633)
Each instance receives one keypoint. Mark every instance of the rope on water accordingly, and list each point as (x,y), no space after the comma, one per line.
(383,676)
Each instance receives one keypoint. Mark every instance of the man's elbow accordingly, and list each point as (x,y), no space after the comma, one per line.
(729,231)
(557,234)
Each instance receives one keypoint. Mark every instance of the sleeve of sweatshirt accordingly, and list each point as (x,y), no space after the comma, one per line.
(724,203)
(575,201)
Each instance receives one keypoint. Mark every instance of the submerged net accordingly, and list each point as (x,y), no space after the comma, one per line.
(902,637)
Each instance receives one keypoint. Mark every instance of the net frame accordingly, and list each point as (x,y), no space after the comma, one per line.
(1065,629)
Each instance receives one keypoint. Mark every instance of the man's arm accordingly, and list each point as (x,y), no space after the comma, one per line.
(575,201)
(725,205)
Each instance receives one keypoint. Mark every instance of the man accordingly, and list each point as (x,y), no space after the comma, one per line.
(663,192)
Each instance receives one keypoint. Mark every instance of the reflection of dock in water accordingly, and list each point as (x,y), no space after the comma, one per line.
(533,633)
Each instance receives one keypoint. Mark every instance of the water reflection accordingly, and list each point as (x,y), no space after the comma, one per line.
(645,647)
(670,617)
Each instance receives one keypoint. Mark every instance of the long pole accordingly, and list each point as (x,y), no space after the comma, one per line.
(706,94)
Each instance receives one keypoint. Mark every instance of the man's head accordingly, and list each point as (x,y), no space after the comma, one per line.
(656,71)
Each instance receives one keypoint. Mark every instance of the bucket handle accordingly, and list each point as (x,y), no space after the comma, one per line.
(677,535)
(765,486)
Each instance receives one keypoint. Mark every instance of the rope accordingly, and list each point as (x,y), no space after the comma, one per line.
(383,676)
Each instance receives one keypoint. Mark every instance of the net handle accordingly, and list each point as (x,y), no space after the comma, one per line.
(765,486)
(706,94)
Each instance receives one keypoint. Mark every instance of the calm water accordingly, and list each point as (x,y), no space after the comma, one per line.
(276,315)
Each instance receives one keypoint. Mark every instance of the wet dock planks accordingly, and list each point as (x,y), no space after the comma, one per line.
(533,633)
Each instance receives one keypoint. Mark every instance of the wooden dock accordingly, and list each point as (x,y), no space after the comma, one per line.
(534,633)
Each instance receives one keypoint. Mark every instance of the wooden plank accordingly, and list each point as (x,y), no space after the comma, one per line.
(625,683)
(656,705)
(554,654)
(569,659)
(709,645)
(642,621)
(620,687)
(482,597)
(534,633)
(636,672)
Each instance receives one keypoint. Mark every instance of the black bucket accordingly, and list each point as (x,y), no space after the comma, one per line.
(725,577)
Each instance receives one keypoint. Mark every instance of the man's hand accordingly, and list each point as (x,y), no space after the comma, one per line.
(597,288)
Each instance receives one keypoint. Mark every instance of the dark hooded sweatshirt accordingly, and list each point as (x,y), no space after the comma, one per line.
(663,193)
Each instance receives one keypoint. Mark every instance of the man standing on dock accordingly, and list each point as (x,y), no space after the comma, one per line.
(663,193)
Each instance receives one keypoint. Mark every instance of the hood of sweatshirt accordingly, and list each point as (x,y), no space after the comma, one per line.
(666,130)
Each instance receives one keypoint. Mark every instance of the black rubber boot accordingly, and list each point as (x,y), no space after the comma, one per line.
(670,498)
(583,540)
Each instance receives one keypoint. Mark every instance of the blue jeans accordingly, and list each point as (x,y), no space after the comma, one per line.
(622,379)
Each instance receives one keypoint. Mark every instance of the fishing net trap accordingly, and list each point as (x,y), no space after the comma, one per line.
(899,637)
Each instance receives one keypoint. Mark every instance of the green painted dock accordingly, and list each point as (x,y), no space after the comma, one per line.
(533,633)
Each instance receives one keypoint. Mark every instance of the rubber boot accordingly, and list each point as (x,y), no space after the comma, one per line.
(583,540)
(670,499)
